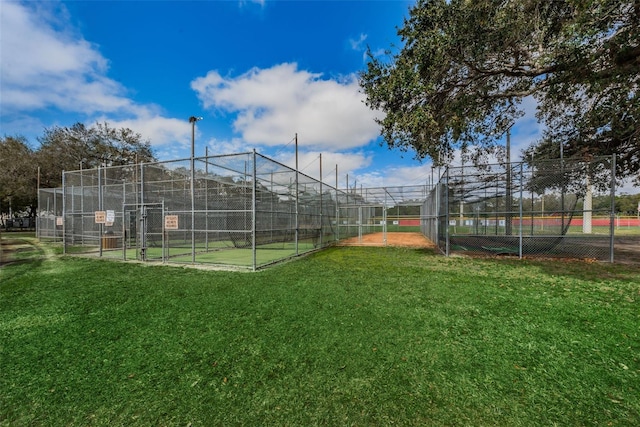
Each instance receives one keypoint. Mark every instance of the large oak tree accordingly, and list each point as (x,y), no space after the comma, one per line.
(82,147)
(464,67)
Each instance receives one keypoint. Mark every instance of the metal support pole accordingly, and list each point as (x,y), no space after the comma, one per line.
(139,227)
(193,121)
(64,215)
(520,208)
(384,219)
(165,239)
(436,194)
(321,227)
(82,213)
(206,199)
(253,212)
(337,208)
(297,197)
(360,224)
(563,186)
(613,207)
(191,190)
(446,204)
(123,231)
(100,208)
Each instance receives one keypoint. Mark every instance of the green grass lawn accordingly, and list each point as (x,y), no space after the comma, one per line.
(346,336)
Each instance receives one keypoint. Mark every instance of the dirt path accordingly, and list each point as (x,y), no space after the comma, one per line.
(408,240)
(22,249)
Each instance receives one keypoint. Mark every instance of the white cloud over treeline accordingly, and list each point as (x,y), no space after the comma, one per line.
(272,104)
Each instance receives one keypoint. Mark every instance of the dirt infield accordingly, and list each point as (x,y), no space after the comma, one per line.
(407,240)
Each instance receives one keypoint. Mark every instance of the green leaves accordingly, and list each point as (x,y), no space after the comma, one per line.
(465,66)
(18,174)
(78,146)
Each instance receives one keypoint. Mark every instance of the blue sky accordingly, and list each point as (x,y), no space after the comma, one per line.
(258,72)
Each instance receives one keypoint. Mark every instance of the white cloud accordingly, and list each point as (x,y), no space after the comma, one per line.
(44,64)
(273,104)
(158,129)
(220,146)
(309,164)
(358,44)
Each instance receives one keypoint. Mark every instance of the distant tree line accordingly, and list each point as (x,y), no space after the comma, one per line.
(61,149)
(625,204)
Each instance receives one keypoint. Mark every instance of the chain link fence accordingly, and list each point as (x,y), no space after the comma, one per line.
(49,218)
(379,210)
(556,208)
(247,210)
(242,210)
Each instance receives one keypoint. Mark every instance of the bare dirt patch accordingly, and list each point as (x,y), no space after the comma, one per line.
(22,249)
(407,240)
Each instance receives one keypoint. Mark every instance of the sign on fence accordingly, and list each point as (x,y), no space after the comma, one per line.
(110,218)
(100,217)
(171,222)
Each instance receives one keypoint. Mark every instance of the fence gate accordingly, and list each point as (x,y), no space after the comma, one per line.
(144,232)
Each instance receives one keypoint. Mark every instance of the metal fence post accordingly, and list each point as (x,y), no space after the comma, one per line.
(193,207)
(139,229)
(297,197)
(64,214)
(613,208)
(337,232)
(321,228)
(206,199)
(437,213)
(253,213)
(123,228)
(165,254)
(520,232)
(100,207)
(446,218)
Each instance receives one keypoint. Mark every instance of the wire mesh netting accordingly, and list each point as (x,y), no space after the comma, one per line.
(558,208)
(246,210)
(242,210)
(49,219)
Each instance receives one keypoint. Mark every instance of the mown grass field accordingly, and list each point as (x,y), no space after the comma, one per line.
(347,336)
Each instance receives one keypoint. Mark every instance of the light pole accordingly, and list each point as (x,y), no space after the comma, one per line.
(193,121)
